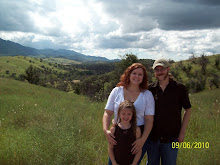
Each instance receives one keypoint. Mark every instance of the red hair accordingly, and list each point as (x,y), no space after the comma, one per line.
(125,77)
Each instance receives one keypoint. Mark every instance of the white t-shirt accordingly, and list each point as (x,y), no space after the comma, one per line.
(144,104)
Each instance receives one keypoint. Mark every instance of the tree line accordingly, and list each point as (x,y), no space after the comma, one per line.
(96,80)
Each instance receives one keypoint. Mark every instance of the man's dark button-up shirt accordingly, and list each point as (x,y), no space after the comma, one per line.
(168,106)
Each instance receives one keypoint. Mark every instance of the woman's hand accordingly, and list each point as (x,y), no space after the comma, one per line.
(137,145)
(110,137)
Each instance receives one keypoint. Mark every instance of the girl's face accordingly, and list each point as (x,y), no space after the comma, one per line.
(136,76)
(125,115)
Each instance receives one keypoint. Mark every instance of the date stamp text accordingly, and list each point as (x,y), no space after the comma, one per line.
(190,145)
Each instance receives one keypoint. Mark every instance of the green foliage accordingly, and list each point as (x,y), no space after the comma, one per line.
(46,126)
(126,61)
(198,73)
(98,87)
(97,79)
(32,75)
(203,61)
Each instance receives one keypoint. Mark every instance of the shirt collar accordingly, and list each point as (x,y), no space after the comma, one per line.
(171,82)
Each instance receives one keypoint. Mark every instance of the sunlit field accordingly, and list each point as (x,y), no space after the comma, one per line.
(46,126)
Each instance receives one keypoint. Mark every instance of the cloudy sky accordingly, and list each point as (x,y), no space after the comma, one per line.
(150,29)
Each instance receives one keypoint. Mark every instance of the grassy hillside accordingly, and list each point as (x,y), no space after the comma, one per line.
(62,61)
(18,65)
(190,73)
(45,126)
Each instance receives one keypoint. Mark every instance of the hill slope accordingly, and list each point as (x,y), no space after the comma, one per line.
(198,73)
(18,64)
(8,48)
(45,126)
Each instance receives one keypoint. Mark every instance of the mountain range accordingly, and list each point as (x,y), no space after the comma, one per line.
(9,48)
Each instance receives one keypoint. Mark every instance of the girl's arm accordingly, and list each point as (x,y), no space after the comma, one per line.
(138,155)
(111,149)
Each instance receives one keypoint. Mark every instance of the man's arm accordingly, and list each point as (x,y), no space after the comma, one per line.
(148,124)
(106,123)
(184,124)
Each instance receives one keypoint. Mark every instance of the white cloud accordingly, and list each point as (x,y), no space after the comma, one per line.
(150,29)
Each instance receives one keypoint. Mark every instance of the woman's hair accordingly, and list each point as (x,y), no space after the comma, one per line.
(125,77)
(128,105)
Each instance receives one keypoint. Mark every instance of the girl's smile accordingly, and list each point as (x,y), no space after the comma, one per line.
(126,116)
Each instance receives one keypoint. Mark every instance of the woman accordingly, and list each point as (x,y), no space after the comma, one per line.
(132,87)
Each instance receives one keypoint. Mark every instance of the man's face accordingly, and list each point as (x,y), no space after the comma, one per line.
(161,73)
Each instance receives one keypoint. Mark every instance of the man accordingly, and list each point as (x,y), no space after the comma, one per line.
(170,97)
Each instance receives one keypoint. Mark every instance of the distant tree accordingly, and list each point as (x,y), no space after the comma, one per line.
(21,77)
(171,61)
(187,69)
(180,64)
(32,75)
(175,73)
(214,80)
(76,88)
(197,82)
(7,72)
(217,62)
(13,75)
(192,58)
(203,61)
(126,61)
(63,86)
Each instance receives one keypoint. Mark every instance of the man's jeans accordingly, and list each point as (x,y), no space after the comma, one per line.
(163,151)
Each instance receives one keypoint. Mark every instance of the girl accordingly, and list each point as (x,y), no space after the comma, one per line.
(125,132)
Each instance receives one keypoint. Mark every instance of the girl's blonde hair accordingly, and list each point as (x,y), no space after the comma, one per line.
(129,105)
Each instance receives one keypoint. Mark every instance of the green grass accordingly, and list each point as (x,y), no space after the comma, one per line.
(203,127)
(18,65)
(45,126)
(62,61)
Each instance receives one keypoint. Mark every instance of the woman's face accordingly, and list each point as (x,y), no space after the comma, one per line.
(136,76)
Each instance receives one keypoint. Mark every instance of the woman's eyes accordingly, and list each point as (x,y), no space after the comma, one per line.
(138,74)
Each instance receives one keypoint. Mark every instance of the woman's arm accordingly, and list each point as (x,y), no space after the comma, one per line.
(106,123)
(148,124)
(111,149)
(138,155)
